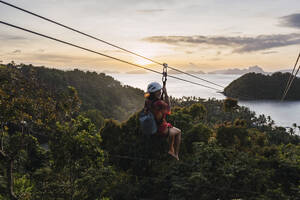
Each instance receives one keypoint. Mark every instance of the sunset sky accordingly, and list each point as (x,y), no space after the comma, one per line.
(191,34)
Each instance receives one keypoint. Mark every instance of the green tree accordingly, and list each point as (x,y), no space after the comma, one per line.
(26,109)
(95,116)
(77,161)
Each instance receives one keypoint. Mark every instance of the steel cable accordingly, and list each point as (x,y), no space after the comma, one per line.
(290,78)
(103,41)
(92,51)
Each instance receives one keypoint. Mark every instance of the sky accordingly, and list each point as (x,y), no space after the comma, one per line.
(190,35)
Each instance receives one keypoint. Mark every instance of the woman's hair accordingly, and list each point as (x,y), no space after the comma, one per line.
(150,96)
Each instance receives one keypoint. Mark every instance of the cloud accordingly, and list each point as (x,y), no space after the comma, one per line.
(40,50)
(151,10)
(16,51)
(238,43)
(269,52)
(215,59)
(292,20)
(11,37)
(64,58)
(189,52)
(53,58)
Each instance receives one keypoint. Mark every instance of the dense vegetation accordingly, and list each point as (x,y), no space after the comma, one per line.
(226,152)
(254,86)
(96,91)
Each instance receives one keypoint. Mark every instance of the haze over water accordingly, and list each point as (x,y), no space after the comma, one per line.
(283,113)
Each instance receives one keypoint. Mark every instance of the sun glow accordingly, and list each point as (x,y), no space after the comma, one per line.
(143,62)
(148,51)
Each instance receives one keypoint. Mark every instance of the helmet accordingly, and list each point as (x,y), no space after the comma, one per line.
(153,87)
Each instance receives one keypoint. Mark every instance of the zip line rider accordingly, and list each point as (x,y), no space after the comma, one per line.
(160,108)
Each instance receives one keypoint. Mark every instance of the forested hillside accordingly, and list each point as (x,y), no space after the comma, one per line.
(255,86)
(96,91)
(226,153)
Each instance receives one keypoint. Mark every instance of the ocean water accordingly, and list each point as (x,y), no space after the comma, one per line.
(283,113)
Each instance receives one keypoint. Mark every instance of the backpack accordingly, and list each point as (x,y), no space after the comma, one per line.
(147,122)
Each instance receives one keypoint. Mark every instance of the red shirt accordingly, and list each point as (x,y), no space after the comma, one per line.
(160,110)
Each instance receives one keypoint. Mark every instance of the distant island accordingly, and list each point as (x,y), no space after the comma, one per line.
(255,69)
(257,86)
(229,71)
(110,72)
(137,72)
(195,72)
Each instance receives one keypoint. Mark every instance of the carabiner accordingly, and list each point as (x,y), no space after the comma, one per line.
(165,68)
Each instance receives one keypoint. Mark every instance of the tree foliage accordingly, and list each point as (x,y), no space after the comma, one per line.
(52,147)
(255,86)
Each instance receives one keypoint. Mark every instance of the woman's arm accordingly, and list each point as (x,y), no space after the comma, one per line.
(167,100)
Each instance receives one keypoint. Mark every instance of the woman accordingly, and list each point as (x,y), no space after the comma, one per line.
(160,109)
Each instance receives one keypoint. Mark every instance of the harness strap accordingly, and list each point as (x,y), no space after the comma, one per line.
(148,108)
(164,78)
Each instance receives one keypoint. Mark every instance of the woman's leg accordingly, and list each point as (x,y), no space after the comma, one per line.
(171,143)
(175,134)
(177,140)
